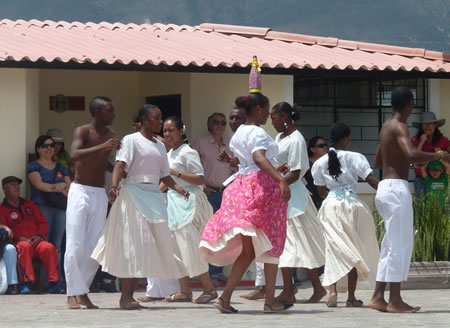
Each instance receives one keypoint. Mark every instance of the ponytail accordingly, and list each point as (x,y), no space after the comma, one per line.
(334,166)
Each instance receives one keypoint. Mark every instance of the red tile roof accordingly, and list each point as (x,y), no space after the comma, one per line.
(211,45)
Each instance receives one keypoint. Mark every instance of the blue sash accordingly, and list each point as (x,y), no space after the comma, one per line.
(149,200)
(180,211)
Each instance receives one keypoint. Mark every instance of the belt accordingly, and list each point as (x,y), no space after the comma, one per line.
(216,189)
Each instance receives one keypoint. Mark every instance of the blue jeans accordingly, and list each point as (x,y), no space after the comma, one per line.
(215,199)
(56,219)
(419,186)
(10,259)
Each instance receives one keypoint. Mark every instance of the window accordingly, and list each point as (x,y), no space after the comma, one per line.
(362,104)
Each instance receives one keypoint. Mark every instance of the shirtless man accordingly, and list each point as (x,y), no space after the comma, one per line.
(393,200)
(87,201)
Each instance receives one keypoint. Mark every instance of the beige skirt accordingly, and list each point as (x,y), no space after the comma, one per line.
(188,236)
(305,243)
(350,241)
(133,247)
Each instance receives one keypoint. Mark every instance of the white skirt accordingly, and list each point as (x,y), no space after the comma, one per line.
(305,243)
(350,241)
(188,237)
(133,247)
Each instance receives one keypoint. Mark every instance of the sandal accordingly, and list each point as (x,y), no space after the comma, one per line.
(179,297)
(268,308)
(146,299)
(220,305)
(355,303)
(206,297)
(332,300)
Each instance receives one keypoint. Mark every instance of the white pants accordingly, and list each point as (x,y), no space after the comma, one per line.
(85,220)
(260,279)
(158,287)
(394,203)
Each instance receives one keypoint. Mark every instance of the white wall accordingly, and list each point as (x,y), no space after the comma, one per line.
(19,91)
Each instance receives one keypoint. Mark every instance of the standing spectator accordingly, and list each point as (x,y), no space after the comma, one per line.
(61,155)
(237,117)
(47,176)
(428,139)
(216,171)
(29,228)
(317,147)
(8,254)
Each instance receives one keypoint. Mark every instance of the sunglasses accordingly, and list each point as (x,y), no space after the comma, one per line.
(322,145)
(217,122)
(52,145)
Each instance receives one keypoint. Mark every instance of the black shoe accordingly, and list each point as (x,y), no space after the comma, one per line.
(12,290)
(109,288)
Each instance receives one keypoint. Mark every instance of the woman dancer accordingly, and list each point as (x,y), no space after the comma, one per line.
(350,243)
(251,222)
(305,243)
(136,241)
(187,218)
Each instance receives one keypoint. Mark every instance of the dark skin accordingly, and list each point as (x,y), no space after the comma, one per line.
(237,117)
(12,195)
(258,116)
(352,276)
(150,125)
(91,146)
(394,139)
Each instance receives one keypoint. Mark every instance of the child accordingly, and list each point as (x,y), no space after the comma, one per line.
(436,180)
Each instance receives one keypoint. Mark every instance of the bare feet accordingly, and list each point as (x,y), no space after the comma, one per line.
(72,303)
(129,304)
(378,304)
(85,301)
(258,294)
(146,299)
(401,307)
(286,297)
(317,296)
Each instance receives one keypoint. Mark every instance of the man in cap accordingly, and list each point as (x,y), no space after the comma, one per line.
(29,229)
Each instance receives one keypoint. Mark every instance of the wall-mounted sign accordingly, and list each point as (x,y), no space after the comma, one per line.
(60,103)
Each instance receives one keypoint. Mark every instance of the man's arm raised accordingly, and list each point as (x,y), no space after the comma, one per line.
(77,152)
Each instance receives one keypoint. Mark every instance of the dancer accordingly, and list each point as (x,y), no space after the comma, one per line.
(350,242)
(187,218)
(136,241)
(305,243)
(251,223)
(87,202)
(393,200)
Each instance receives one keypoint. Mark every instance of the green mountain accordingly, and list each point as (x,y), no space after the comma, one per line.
(411,23)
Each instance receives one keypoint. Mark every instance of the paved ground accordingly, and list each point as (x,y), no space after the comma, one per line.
(50,311)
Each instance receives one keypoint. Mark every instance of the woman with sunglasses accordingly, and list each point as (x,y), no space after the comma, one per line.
(47,176)
(351,248)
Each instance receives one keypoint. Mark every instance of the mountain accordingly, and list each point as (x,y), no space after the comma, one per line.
(410,23)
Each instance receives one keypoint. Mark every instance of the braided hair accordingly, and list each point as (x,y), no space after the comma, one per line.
(338,132)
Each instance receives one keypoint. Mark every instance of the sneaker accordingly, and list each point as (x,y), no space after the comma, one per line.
(56,289)
(12,290)
(24,289)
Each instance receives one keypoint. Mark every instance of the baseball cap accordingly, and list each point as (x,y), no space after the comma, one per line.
(11,178)
(435,165)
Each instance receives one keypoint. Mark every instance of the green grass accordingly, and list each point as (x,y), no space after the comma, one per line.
(431,229)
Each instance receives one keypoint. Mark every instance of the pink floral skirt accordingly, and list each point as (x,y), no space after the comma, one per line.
(251,206)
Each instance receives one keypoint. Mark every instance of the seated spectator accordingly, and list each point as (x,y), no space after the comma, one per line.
(48,178)
(9,256)
(61,155)
(29,229)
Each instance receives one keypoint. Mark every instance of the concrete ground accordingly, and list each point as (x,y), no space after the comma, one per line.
(50,311)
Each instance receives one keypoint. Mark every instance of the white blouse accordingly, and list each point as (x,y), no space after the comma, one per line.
(293,152)
(248,139)
(185,160)
(353,165)
(146,161)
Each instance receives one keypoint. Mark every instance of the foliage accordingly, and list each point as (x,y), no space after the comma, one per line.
(431,229)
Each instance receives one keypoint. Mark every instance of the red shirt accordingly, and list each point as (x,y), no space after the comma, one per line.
(442,144)
(26,221)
